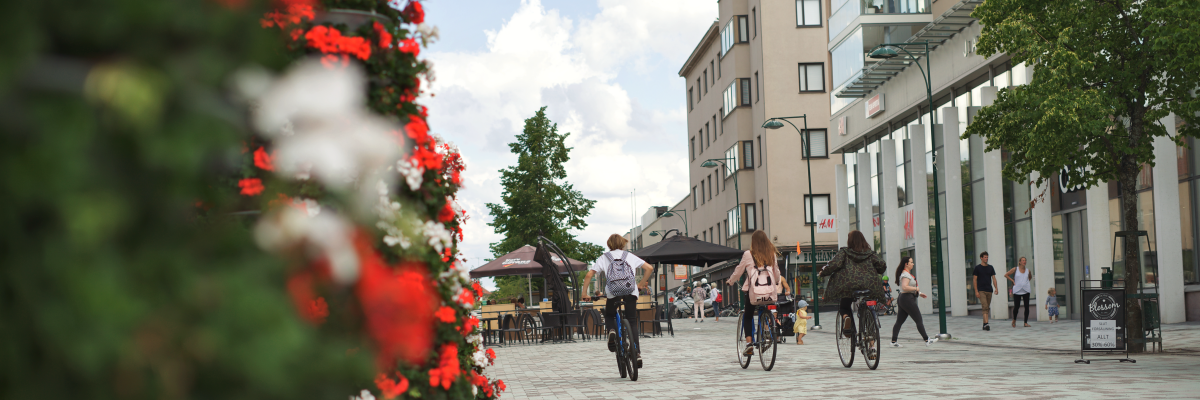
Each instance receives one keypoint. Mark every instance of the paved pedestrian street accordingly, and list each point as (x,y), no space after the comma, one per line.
(700,362)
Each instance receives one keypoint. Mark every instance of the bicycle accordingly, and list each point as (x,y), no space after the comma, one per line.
(765,340)
(866,337)
(627,350)
(888,305)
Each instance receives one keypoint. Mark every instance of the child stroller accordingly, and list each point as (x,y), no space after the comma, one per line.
(785,316)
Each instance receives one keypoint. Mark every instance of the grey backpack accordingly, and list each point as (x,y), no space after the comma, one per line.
(620,276)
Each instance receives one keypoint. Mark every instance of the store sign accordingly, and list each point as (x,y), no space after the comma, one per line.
(827,224)
(1068,180)
(681,272)
(874,105)
(908,214)
(823,256)
(1103,326)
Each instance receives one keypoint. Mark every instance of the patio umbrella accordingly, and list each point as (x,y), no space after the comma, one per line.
(520,262)
(681,249)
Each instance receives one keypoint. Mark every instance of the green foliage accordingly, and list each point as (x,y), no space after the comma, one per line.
(537,198)
(114,283)
(1105,74)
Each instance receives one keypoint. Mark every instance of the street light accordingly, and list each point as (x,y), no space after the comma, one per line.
(774,123)
(671,213)
(886,51)
(712,162)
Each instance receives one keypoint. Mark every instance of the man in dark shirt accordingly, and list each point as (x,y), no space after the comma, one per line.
(985,285)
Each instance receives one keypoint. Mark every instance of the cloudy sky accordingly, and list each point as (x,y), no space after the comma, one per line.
(607,70)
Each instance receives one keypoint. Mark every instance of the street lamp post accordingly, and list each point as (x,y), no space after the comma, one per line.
(712,162)
(671,213)
(886,51)
(774,123)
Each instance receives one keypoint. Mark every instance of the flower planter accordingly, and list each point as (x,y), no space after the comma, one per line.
(351,18)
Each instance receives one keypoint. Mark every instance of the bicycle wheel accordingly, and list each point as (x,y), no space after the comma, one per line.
(766,342)
(845,344)
(743,359)
(621,362)
(869,335)
(629,350)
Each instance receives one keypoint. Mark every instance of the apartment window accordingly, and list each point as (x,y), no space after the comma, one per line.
(698,92)
(747,154)
(718,71)
(737,94)
(714,124)
(819,204)
(760,150)
(735,220)
(706,81)
(743,29)
(816,143)
(812,77)
(754,16)
(705,234)
(750,217)
(707,134)
(700,133)
(808,13)
(714,75)
(694,198)
(745,91)
(710,188)
(730,99)
(702,198)
(762,213)
(727,37)
(757,88)
(691,104)
(711,236)
(692,147)
(731,159)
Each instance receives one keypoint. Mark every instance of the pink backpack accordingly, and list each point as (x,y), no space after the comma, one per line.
(762,286)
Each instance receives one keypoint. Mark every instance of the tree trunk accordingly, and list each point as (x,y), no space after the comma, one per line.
(1133,269)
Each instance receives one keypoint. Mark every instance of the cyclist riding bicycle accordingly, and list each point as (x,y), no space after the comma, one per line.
(620,267)
(762,257)
(855,267)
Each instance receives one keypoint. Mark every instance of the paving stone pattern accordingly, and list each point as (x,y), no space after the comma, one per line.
(700,362)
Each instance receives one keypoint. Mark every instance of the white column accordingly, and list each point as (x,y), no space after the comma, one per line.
(1168,241)
(1099,234)
(863,186)
(1043,245)
(919,191)
(956,274)
(892,229)
(843,203)
(993,190)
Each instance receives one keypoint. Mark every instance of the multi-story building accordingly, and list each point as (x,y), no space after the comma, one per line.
(887,176)
(761,59)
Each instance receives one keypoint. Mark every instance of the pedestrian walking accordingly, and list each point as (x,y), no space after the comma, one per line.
(854,267)
(1020,277)
(802,318)
(907,303)
(1051,305)
(985,285)
(698,296)
(715,294)
(758,262)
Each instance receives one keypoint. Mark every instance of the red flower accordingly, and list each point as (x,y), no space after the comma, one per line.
(447,213)
(312,308)
(331,41)
(294,12)
(410,46)
(417,129)
(491,355)
(251,186)
(446,314)
(500,384)
(399,303)
(470,326)
(391,389)
(466,296)
(385,37)
(448,367)
(414,13)
(263,160)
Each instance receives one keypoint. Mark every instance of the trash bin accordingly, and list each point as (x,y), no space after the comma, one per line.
(1106,278)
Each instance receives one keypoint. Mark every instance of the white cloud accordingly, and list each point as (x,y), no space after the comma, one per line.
(539,58)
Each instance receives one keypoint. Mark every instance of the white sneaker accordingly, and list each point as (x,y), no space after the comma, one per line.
(930,341)
(894,344)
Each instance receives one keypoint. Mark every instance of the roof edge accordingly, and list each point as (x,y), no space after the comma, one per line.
(709,36)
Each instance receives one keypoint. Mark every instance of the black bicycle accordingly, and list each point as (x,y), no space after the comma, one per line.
(764,341)
(627,350)
(866,337)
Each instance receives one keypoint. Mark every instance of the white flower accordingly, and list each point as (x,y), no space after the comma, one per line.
(437,235)
(412,173)
(328,233)
(312,207)
(365,395)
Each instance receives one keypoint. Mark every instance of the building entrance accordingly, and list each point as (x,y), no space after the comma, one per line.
(1070,232)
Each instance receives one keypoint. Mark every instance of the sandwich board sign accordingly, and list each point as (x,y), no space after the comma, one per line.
(1102,326)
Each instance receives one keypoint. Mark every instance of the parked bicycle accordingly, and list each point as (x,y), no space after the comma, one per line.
(764,341)
(866,337)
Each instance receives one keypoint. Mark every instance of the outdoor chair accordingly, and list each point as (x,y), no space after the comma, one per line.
(572,323)
(509,326)
(660,317)
(595,323)
(551,323)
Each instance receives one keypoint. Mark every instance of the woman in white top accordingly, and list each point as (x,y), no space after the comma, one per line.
(907,303)
(1020,277)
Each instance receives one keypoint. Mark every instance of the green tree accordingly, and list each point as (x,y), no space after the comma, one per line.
(537,199)
(1105,75)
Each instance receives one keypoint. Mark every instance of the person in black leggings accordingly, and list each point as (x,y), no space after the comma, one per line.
(1020,278)
(907,303)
